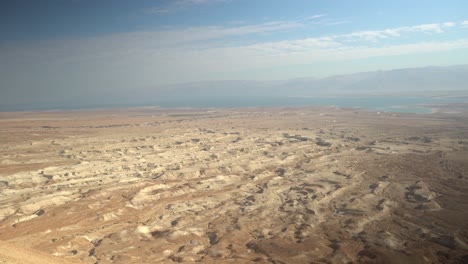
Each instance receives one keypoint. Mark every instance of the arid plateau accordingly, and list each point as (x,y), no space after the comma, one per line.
(267,185)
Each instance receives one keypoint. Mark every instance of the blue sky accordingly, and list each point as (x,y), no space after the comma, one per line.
(81,46)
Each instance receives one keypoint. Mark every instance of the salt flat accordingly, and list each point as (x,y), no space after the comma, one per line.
(269,185)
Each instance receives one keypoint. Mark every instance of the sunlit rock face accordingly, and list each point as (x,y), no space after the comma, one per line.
(280,185)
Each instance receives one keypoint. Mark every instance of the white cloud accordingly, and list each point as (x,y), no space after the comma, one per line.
(335,22)
(124,45)
(464,23)
(271,55)
(294,46)
(314,17)
(323,20)
(448,24)
(199,38)
(375,35)
(179,55)
(369,35)
(437,28)
(175,37)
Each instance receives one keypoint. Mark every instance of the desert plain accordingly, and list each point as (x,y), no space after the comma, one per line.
(266,185)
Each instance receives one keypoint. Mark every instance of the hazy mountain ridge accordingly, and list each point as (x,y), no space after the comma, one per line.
(398,80)
(395,82)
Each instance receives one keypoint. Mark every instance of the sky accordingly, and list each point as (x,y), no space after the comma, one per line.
(64,47)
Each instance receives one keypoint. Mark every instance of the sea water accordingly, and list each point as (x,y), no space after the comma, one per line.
(400,104)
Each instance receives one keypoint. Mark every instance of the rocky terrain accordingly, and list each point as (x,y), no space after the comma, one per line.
(281,185)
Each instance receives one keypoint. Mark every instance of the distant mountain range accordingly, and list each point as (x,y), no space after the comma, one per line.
(394,82)
(400,80)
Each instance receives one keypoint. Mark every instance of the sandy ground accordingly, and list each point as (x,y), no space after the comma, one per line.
(281,185)
(12,254)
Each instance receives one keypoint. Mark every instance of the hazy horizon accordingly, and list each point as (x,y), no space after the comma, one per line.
(393,90)
(63,52)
